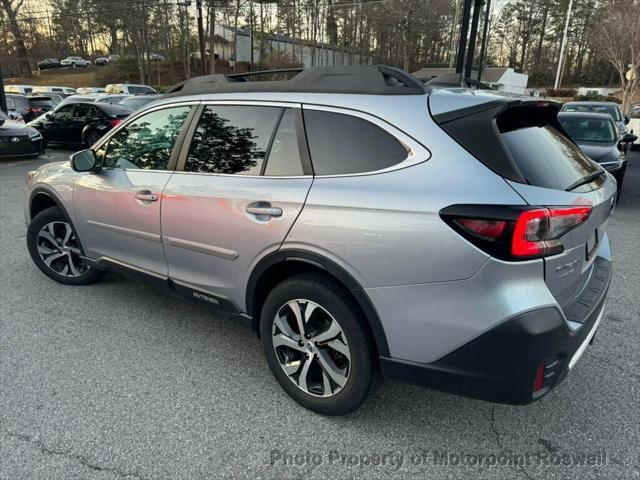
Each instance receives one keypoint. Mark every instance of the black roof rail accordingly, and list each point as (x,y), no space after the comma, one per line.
(364,79)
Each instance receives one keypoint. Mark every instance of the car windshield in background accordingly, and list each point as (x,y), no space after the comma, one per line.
(41,102)
(589,130)
(611,109)
(115,110)
(134,103)
(137,90)
(3,117)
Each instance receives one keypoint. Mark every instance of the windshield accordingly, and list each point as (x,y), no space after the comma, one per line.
(589,129)
(3,116)
(136,89)
(608,108)
(136,103)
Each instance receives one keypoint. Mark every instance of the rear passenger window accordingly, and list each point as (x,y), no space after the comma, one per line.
(342,144)
(232,139)
(284,156)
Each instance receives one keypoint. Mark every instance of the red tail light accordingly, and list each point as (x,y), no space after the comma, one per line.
(536,230)
(35,109)
(515,233)
(115,122)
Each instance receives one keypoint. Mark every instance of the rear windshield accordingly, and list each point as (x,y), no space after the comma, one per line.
(114,110)
(611,109)
(133,89)
(546,157)
(41,102)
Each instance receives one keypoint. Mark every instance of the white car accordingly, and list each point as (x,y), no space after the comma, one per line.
(52,89)
(634,126)
(18,89)
(75,62)
(129,89)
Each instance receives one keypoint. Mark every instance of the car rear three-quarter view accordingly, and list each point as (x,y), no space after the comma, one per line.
(360,222)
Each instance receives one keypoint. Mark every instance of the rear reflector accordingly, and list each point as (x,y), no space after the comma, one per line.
(539,381)
(515,233)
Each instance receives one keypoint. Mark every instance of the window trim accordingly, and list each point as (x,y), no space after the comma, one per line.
(416,153)
(296,107)
(173,160)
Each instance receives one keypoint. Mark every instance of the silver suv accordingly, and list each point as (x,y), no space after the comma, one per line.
(361,223)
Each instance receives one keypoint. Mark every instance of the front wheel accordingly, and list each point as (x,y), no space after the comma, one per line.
(55,249)
(316,344)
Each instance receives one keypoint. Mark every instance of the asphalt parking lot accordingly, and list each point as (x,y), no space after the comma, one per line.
(118,380)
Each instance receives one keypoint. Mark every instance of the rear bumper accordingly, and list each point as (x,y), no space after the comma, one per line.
(501,365)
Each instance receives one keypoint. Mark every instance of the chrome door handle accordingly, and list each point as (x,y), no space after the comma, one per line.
(146,196)
(263,209)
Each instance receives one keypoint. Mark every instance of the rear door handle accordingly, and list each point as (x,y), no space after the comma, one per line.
(146,196)
(263,209)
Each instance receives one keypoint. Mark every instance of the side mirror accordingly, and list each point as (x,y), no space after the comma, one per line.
(85,161)
(629,138)
(626,119)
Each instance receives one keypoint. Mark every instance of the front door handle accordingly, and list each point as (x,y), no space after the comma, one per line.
(146,196)
(263,209)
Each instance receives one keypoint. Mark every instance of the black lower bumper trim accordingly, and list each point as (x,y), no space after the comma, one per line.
(501,365)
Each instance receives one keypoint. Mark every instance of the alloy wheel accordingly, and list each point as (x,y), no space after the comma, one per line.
(311,348)
(59,249)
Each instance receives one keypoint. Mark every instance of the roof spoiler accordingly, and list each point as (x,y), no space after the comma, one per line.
(456,80)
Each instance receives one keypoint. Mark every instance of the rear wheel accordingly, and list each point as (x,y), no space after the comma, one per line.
(55,249)
(315,343)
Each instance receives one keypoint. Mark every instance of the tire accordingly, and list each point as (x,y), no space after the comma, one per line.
(54,248)
(91,138)
(336,354)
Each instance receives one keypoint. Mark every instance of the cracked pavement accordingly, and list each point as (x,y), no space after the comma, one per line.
(120,381)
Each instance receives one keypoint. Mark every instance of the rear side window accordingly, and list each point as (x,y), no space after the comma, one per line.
(343,144)
(232,139)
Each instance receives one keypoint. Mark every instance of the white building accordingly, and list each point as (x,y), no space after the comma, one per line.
(503,79)
(597,91)
(235,45)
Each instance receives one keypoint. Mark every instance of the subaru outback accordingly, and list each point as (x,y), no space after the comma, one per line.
(363,224)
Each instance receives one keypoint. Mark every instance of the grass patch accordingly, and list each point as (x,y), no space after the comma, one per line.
(64,77)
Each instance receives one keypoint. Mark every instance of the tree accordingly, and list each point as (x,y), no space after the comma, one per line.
(616,36)
(11,9)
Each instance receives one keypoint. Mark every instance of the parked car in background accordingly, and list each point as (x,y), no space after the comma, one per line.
(56,98)
(95,97)
(29,106)
(49,63)
(113,58)
(53,89)
(136,102)
(19,89)
(129,88)
(610,108)
(79,123)
(18,139)
(101,61)
(597,136)
(74,62)
(634,126)
(155,57)
(84,90)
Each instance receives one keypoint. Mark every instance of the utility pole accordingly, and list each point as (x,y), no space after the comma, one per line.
(3,99)
(483,47)
(563,45)
(472,37)
(203,63)
(464,30)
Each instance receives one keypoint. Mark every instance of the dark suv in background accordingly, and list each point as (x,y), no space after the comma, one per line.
(29,107)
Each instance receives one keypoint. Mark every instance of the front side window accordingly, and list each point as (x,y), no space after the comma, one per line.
(232,139)
(147,142)
(343,144)
(64,112)
(82,110)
